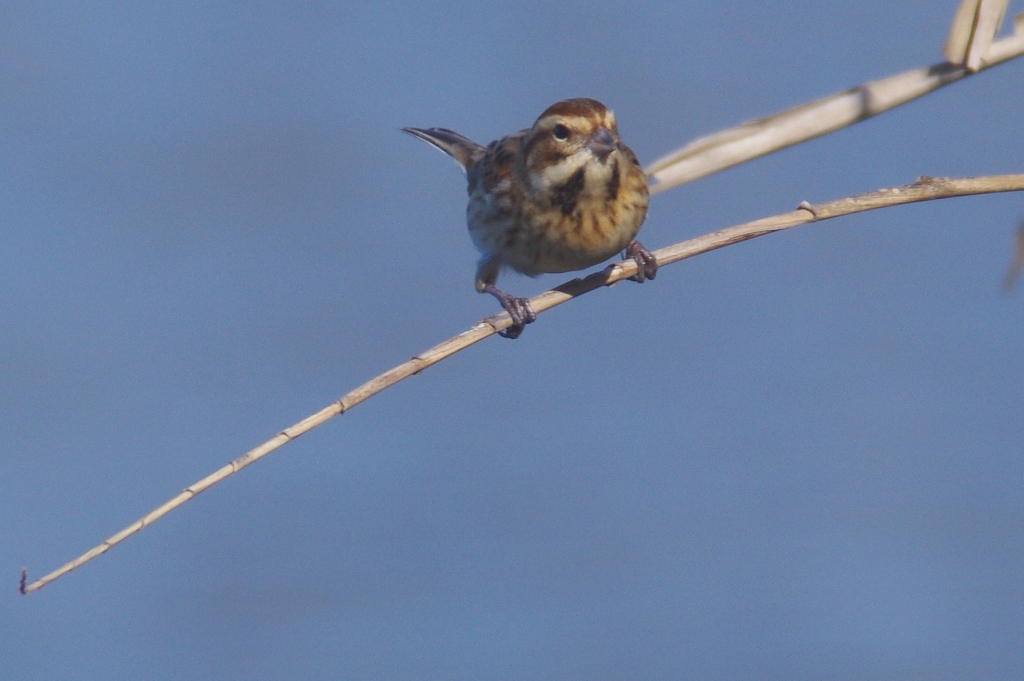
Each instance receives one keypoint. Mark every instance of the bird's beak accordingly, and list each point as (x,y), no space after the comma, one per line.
(601,143)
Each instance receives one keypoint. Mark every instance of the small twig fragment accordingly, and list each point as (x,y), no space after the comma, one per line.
(1018,261)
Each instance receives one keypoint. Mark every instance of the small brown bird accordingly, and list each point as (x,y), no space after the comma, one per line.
(562,196)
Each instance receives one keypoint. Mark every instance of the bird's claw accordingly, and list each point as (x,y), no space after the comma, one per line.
(521,313)
(646,264)
(518,309)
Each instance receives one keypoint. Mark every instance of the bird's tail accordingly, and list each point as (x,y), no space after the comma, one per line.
(465,151)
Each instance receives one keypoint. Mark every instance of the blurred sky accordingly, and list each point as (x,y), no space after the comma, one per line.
(795,458)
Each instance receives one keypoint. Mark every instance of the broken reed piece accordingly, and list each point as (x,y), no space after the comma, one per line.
(973,32)
(972,37)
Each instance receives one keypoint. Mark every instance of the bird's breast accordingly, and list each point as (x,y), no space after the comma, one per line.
(584,219)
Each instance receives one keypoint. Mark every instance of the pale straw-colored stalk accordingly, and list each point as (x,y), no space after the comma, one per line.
(721,150)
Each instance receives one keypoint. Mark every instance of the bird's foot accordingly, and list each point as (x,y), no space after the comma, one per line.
(646,264)
(518,309)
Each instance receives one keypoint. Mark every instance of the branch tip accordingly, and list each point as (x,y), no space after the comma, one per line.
(24,582)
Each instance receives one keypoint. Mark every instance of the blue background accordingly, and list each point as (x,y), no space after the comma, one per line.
(795,458)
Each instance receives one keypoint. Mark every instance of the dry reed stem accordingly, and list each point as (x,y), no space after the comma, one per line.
(750,140)
(925,189)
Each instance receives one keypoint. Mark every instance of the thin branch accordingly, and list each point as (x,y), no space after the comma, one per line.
(753,139)
(925,189)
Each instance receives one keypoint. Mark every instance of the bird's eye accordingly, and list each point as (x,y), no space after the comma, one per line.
(560,132)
